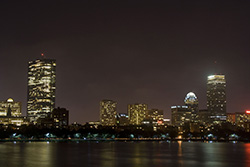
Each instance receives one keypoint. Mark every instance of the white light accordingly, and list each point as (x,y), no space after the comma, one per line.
(10,100)
(210,77)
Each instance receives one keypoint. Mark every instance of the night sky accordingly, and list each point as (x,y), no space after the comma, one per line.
(137,51)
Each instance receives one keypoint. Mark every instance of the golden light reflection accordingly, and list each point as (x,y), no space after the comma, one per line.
(43,155)
(136,159)
(180,152)
(108,155)
(179,148)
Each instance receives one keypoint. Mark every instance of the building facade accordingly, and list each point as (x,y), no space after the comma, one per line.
(10,113)
(108,111)
(216,97)
(155,115)
(15,108)
(122,119)
(41,88)
(137,113)
(11,120)
(192,102)
(204,117)
(231,118)
(60,117)
(240,119)
(180,115)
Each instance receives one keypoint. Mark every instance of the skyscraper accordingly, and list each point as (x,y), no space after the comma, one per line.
(137,113)
(41,88)
(108,112)
(192,102)
(216,97)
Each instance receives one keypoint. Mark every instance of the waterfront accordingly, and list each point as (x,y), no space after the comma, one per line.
(124,154)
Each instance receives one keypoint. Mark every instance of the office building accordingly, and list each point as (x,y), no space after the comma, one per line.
(10,113)
(204,117)
(192,102)
(92,125)
(12,120)
(122,119)
(108,112)
(240,119)
(216,97)
(137,113)
(15,108)
(180,115)
(231,118)
(41,88)
(155,116)
(60,117)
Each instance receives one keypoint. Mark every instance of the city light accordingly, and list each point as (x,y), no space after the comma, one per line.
(159,122)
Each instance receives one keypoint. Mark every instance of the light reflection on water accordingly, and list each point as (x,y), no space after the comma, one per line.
(247,154)
(124,154)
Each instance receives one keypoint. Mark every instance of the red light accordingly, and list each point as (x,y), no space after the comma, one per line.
(42,54)
(247,111)
(159,122)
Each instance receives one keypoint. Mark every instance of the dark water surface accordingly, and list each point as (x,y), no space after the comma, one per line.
(124,154)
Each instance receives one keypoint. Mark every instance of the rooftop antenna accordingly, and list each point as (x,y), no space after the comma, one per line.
(43,56)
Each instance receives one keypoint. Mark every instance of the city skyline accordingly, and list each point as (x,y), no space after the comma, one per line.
(129,52)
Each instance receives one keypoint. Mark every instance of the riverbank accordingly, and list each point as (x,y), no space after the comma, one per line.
(119,140)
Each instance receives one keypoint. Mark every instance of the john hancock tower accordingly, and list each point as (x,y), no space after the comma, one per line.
(41,88)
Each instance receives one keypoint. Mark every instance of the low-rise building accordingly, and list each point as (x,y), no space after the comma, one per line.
(60,117)
(122,119)
(180,115)
(155,115)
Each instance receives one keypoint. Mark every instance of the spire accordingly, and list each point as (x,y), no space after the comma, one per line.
(9,112)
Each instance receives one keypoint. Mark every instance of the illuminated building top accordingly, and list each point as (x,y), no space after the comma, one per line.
(191,98)
(10,100)
(192,101)
(216,79)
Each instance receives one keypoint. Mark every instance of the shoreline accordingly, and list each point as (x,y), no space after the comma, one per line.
(117,140)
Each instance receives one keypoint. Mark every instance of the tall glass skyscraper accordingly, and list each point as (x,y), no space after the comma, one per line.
(41,88)
(216,97)
(108,112)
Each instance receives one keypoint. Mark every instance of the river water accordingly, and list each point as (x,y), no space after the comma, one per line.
(124,154)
